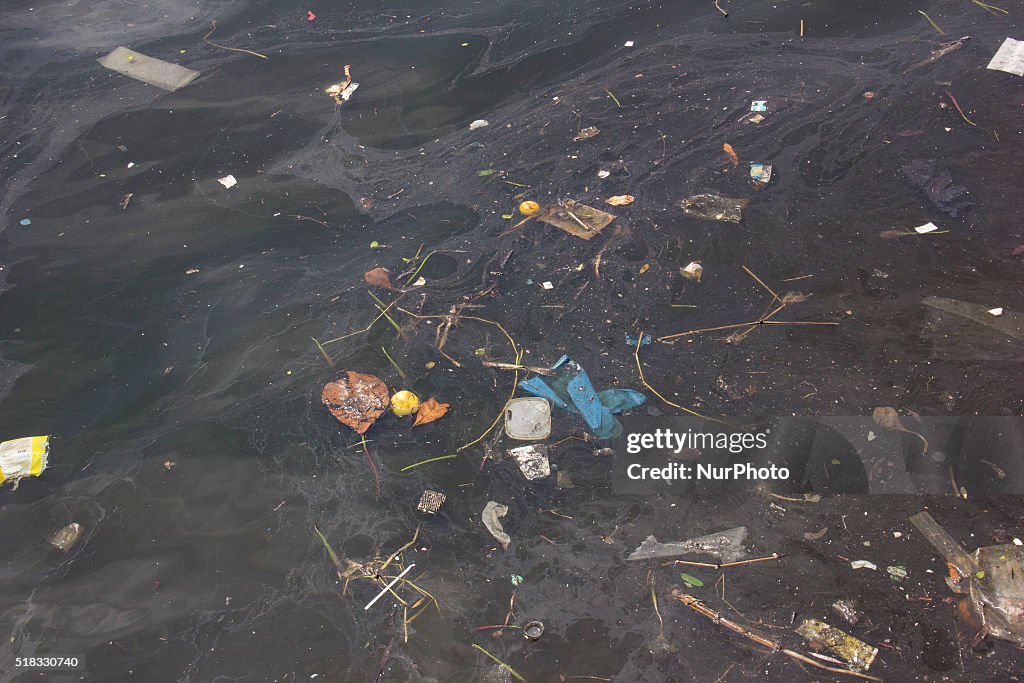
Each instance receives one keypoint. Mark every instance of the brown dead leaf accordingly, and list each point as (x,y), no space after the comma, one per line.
(621,199)
(378,277)
(587,133)
(887,418)
(356,400)
(732,154)
(644,268)
(430,410)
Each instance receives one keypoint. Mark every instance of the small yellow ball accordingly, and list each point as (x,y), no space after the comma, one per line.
(529,208)
(404,403)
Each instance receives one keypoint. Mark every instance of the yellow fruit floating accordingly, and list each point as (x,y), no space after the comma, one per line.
(404,403)
(529,208)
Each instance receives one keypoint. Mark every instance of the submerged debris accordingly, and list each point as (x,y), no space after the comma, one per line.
(857,654)
(148,69)
(67,537)
(726,545)
(937,185)
(714,208)
(431,502)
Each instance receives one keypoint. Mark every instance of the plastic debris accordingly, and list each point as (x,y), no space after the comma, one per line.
(761,174)
(228,181)
(67,537)
(533,630)
(856,653)
(692,271)
(633,341)
(864,564)
(897,572)
(726,546)
(25,221)
(1009,57)
(995,311)
(356,400)
(714,208)
(587,133)
(147,69)
(479,123)
(404,403)
(528,419)
(992,577)
(431,502)
(547,284)
(926,228)
(570,389)
(25,457)
(490,516)
(759,105)
(1009,323)
(603,173)
(533,461)
(937,185)
(577,219)
(429,410)
(310,16)
(341,92)
(847,610)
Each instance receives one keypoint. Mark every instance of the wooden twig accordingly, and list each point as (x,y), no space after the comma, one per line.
(213,27)
(740,563)
(957,105)
(719,8)
(373,467)
(643,380)
(700,608)
(512,366)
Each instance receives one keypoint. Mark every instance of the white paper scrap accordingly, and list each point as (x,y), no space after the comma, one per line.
(926,228)
(1009,57)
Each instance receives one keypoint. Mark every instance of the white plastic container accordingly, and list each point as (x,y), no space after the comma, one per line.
(528,419)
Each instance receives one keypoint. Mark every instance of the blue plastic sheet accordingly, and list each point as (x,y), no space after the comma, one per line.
(571,389)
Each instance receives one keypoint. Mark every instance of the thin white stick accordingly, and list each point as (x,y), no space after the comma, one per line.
(388,587)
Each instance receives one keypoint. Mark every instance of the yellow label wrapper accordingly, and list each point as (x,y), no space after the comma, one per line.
(19,458)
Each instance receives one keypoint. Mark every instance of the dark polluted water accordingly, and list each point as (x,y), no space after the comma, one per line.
(158,326)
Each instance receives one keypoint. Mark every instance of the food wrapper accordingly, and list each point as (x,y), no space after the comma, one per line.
(28,456)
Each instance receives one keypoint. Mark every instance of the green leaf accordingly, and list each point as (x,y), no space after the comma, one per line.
(507,216)
(692,581)
(488,172)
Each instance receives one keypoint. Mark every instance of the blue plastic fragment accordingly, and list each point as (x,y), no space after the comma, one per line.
(631,340)
(571,389)
(25,221)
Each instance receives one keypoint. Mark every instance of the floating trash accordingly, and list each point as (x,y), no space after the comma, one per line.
(761,174)
(533,461)
(492,513)
(478,124)
(714,208)
(67,537)
(693,271)
(759,105)
(431,502)
(1009,57)
(147,69)
(528,419)
(857,654)
(533,630)
(25,457)
(577,219)
(726,545)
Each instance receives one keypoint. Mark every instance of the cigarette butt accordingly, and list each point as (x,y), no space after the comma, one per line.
(801,28)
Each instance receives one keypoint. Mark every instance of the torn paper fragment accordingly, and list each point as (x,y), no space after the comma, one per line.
(995,311)
(1009,57)
(147,69)
(926,228)
(863,564)
(228,181)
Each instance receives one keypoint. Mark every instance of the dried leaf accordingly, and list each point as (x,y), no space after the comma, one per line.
(621,199)
(794,298)
(586,133)
(644,268)
(378,277)
(732,154)
(430,410)
(356,400)
(887,418)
